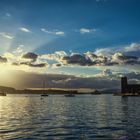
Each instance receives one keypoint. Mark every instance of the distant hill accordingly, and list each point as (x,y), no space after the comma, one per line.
(7,89)
(111,91)
(56,90)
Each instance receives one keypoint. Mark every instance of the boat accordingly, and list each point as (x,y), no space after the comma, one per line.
(44,94)
(96,92)
(2,94)
(69,95)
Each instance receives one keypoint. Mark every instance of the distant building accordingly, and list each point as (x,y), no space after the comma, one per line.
(129,88)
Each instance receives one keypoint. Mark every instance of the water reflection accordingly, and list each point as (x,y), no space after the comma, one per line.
(130,118)
(58,117)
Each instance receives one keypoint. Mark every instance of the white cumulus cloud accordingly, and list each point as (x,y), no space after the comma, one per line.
(59,33)
(54,32)
(86,30)
(132,47)
(6,35)
(23,29)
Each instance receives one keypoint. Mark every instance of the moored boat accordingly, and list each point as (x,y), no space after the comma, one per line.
(44,95)
(96,92)
(69,95)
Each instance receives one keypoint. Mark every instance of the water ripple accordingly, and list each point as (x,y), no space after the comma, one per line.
(57,118)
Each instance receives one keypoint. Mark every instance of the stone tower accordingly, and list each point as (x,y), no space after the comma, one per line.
(123,84)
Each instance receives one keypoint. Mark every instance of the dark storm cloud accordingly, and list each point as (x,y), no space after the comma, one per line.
(3,59)
(31,56)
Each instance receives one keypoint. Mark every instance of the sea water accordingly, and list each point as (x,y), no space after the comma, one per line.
(56,117)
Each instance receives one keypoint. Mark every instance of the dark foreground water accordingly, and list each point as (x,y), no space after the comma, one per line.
(84,117)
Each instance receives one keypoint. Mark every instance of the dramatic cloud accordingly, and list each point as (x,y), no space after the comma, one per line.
(132,47)
(104,51)
(123,59)
(59,61)
(3,59)
(107,72)
(54,32)
(102,57)
(91,59)
(133,76)
(61,58)
(23,29)
(31,56)
(77,59)
(54,56)
(6,35)
(36,65)
(20,59)
(86,30)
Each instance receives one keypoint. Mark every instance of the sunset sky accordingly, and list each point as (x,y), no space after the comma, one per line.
(75,43)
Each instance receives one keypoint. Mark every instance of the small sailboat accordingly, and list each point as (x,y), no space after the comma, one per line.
(44,93)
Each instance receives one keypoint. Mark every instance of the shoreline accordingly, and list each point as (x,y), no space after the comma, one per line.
(127,94)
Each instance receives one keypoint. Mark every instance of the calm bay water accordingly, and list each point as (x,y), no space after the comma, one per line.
(84,117)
